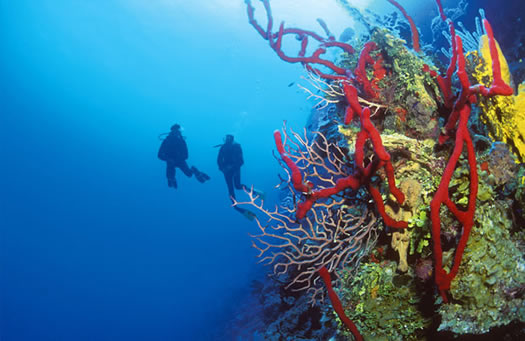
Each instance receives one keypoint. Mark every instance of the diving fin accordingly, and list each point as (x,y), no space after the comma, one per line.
(200,176)
(260,193)
(246,213)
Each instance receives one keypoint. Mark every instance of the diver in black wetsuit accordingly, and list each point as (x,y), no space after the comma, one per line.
(230,161)
(174,151)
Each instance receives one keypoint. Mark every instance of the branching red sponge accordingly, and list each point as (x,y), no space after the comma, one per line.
(336,303)
(362,174)
(413,28)
(368,131)
(458,120)
(297,177)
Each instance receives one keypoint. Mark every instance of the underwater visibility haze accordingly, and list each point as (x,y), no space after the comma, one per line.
(382,178)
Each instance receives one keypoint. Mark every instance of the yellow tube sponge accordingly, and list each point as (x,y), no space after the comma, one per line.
(519,118)
(504,116)
(485,53)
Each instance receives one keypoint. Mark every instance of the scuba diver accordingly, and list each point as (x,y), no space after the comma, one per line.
(230,160)
(174,151)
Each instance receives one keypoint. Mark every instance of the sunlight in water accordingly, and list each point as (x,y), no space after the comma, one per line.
(361,4)
(294,13)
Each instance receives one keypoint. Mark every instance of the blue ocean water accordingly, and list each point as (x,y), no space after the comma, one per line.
(93,244)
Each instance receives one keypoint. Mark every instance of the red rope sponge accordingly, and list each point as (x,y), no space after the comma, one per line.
(336,303)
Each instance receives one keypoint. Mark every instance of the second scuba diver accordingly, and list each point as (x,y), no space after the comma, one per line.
(230,160)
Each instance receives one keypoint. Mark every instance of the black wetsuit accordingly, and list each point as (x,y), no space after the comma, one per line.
(174,151)
(230,161)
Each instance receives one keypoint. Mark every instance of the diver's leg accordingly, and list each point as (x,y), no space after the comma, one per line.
(170,174)
(185,169)
(237,179)
(228,176)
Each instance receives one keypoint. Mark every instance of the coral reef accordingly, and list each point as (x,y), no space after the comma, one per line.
(488,289)
(337,232)
(276,314)
(384,304)
(402,165)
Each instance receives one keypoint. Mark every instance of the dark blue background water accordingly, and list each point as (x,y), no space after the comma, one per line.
(93,244)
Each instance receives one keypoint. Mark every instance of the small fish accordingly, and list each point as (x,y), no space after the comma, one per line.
(347,35)
(292,83)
